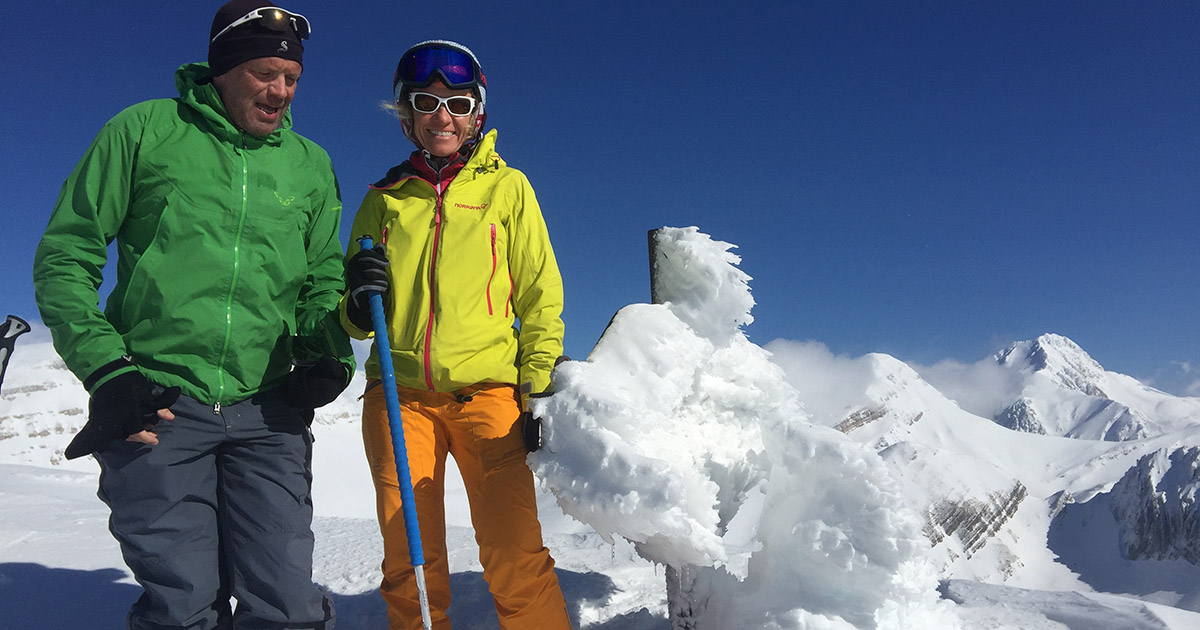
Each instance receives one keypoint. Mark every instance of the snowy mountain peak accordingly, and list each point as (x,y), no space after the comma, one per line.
(1056,388)
(1059,359)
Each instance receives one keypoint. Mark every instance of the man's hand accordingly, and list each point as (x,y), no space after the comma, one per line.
(146,436)
(318,384)
(126,407)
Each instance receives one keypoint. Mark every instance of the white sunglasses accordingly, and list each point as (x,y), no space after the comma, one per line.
(427,103)
(275,19)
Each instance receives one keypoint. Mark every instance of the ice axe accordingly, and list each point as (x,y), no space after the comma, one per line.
(387,373)
(12,328)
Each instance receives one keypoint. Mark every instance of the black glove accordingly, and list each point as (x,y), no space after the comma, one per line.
(316,384)
(366,271)
(119,408)
(531,431)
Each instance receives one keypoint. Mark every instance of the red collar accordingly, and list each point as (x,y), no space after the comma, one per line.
(418,166)
(425,171)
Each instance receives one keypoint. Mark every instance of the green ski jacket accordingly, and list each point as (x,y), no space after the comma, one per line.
(229,264)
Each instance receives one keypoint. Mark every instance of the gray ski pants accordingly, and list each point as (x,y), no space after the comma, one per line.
(220,507)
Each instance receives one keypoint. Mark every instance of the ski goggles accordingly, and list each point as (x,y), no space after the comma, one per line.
(419,67)
(271,18)
(427,103)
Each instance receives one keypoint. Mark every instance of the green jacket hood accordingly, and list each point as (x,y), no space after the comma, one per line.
(196,90)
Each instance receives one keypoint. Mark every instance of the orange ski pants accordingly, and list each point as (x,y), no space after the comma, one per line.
(483,436)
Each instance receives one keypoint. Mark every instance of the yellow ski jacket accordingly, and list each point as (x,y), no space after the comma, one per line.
(469,258)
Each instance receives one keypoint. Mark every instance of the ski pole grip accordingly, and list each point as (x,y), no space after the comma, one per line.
(387,374)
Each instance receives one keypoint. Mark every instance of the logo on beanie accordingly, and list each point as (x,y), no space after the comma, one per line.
(282,46)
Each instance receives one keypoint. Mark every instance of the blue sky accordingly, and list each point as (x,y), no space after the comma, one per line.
(927,179)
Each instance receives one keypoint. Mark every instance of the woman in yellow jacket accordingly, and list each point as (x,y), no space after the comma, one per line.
(463,255)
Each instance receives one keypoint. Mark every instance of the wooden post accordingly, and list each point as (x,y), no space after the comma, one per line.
(652,242)
(683,602)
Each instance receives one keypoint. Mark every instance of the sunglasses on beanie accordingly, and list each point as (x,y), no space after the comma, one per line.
(272,18)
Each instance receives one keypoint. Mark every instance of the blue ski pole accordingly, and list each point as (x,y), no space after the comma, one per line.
(387,373)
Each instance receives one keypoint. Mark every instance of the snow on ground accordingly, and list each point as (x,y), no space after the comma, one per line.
(53,540)
(676,443)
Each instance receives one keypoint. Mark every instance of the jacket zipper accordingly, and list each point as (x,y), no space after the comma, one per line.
(237,245)
(493,276)
(437,234)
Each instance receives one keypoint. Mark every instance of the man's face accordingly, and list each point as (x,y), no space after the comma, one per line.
(257,93)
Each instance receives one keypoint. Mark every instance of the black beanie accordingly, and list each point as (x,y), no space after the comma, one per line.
(249,40)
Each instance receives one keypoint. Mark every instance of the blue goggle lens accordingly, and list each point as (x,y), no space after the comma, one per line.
(456,67)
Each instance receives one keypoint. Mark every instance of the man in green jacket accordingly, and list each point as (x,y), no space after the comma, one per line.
(220,336)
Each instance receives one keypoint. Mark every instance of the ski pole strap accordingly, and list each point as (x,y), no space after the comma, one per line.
(12,328)
(387,374)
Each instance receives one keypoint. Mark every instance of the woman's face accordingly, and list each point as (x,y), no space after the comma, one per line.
(440,133)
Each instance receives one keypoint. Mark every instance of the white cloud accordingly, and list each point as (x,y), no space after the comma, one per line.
(982,388)
(824,380)
(1180,378)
